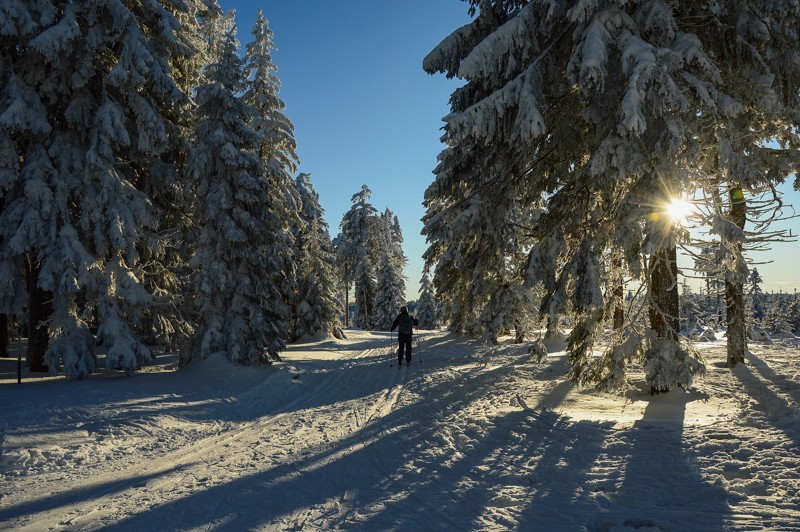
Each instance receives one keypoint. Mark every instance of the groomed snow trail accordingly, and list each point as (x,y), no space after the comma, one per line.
(333,438)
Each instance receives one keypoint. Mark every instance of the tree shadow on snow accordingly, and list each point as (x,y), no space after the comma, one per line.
(75,496)
(521,474)
(658,486)
(364,480)
(518,473)
(777,409)
(786,385)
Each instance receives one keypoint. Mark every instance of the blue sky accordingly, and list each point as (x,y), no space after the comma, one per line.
(363,109)
(365,112)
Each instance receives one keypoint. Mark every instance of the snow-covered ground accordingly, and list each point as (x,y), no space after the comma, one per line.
(333,438)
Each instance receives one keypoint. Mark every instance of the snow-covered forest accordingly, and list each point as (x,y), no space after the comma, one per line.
(184,345)
(149,202)
(592,140)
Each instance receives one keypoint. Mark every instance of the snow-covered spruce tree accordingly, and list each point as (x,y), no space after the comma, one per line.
(214,25)
(476,246)
(755,295)
(364,292)
(345,272)
(427,306)
(189,66)
(596,108)
(386,304)
(277,152)
(240,309)
(278,145)
(357,229)
(477,232)
(690,311)
(168,320)
(28,219)
(456,211)
(776,318)
(471,221)
(92,114)
(317,308)
(390,284)
(793,314)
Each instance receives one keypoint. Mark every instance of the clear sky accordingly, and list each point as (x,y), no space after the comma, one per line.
(363,109)
(365,112)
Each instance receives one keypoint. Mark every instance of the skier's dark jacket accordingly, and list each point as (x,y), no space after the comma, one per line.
(406,322)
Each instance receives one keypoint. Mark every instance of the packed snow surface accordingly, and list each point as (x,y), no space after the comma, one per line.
(469,437)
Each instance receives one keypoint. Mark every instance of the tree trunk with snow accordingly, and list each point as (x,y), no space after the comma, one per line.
(734,290)
(664,301)
(519,332)
(40,310)
(619,308)
(618,294)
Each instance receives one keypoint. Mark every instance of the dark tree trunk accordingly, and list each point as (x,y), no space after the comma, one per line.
(3,317)
(40,310)
(734,290)
(619,307)
(619,295)
(665,302)
(3,335)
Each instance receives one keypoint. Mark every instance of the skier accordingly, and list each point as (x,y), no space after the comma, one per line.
(406,322)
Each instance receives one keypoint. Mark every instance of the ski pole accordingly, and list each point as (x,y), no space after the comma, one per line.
(391,347)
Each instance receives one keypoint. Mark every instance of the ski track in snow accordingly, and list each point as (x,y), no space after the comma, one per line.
(472,438)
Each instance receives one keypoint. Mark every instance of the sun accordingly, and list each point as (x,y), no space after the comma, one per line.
(679,209)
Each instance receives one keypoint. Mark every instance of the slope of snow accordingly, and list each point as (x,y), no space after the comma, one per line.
(473,437)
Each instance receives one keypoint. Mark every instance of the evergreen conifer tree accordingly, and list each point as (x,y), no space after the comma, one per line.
(756,295)
(169,320)
(427,306)
(776,317)
(390,285)
(91,106)
(240,309)
(214,26)
(793,314)
(358,226)
(316,309)
(345,271)
(602,110)
(276,151)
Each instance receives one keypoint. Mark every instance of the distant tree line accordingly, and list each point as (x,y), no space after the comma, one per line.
(770,313)
(371,263)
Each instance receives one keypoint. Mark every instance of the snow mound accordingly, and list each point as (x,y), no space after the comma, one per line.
(757,334)
(702,334)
